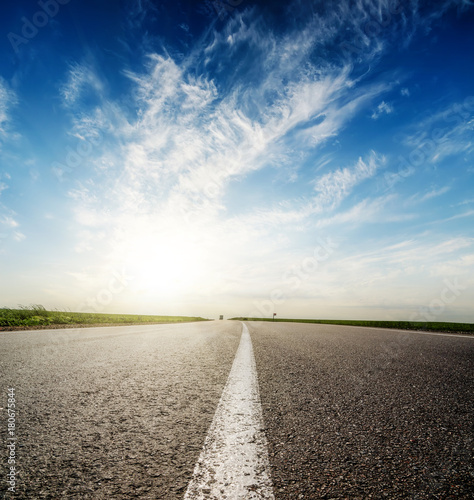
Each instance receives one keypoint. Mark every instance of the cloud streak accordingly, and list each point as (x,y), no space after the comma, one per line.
(382,109)
(81,79)
(7,100)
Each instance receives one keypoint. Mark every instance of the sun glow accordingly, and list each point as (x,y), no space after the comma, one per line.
(163,267)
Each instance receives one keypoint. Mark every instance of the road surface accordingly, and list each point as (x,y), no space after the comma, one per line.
(133,412)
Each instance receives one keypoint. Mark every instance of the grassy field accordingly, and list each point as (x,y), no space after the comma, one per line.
(402,325)
(38,316)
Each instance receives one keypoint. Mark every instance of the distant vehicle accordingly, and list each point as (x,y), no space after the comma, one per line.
(221,317)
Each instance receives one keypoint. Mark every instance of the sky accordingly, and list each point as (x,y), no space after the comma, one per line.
(306,158)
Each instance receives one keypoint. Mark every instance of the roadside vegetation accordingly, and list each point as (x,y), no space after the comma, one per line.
(37,316)
(435,326)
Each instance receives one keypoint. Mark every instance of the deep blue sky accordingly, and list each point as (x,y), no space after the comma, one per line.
(307,158)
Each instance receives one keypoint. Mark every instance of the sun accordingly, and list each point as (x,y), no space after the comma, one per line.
(163,267)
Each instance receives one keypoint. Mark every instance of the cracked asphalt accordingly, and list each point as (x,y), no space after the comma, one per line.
(122,412)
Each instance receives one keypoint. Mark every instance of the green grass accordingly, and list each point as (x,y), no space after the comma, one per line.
(37,315)
(402,325)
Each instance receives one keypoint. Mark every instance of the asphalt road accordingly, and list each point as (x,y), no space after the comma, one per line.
(123,412)
(366,413)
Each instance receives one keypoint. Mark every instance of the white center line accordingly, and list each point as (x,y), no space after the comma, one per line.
(234,460)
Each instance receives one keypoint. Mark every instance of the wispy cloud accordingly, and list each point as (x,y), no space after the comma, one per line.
(401,276)
(382,109)
(81,79)
(372,26)
(469,213)
(191,138)
(330,190)
(7,100)
(466,202)
(433,193)
(364,212)
(335,186)
(8,221)
(137,12)
(410,258)
(18,236)
(9,226)
(446,132)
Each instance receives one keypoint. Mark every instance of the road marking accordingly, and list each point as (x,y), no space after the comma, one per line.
(438,334)
(380,329)
(444,334)
(234,460)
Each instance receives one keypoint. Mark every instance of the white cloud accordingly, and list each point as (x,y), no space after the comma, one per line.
(382,108)
(330,190)
(370,26)
(335,186)
(434,193)
(18,236)
(7,100)
(81,79)
(373,277)
(458,266)
(469,213)
(8,221)
(402,263)
(446,132)
(428,195)
(9,226)
(190,141)
(466,202)
(363,212)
